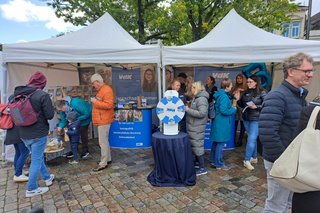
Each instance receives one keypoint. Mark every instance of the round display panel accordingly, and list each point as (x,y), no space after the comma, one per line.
(170,110)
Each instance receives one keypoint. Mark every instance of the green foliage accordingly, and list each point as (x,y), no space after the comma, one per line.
(175,22)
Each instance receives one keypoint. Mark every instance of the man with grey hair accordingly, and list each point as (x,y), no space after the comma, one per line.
(278,121)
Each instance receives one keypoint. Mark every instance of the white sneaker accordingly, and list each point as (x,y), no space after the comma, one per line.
(254,160)
(73,162)
(248,165)
(21,178)
(38,191)
(49,181)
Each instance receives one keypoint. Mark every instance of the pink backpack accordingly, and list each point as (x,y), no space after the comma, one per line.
(22,112)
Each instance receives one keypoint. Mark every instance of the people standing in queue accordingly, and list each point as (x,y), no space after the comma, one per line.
(278,122)
(35,136)
(239,87)
(221,124)
(102,117)
(251,102)
(196,119)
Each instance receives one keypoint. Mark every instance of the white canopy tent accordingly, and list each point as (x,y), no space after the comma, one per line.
(102,42)
(235,40)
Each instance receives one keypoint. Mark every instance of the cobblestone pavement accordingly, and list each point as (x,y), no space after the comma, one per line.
(123,187)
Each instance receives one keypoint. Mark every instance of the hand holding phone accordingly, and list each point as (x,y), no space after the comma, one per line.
(250,103)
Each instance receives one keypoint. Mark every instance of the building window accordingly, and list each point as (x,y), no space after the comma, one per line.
(286,30)
(291,30)
(295,30)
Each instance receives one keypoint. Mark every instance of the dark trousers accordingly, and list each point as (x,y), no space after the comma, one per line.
(84,138)
(20,157)
(74,149)
(306,202)
(241,135)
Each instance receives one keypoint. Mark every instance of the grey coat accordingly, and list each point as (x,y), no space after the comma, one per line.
(196,120)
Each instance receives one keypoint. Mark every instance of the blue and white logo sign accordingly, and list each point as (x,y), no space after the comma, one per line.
(170,110)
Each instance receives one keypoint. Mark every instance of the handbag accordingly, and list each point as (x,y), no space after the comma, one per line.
(298,168)
(5,118)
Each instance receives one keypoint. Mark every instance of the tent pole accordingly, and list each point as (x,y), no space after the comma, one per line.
(4,99)
(160,88)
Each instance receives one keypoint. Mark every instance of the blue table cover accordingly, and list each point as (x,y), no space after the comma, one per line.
(173,158)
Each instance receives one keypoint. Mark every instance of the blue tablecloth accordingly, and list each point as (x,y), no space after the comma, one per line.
(173,161)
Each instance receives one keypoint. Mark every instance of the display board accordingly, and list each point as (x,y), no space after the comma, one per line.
(131,129)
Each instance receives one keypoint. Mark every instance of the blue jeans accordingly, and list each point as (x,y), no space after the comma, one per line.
(216,154)
(252,128)
(36,147)
(74,149)
(20,157)
(279,198)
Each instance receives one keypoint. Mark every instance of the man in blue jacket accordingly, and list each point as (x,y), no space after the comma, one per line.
(83,109)
(278,122)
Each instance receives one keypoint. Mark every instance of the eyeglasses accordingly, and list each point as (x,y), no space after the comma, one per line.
(307,72)
(250,82)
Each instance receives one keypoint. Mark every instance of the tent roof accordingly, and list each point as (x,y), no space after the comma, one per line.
(103,41)
(235,40)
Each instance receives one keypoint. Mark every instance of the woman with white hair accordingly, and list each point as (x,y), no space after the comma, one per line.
(196,119)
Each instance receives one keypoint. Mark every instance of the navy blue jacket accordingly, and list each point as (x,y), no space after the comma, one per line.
(74,132)
(279,119)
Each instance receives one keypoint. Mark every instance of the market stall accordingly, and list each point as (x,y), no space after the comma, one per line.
(104,43)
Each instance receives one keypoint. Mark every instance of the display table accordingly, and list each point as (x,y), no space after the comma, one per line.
(173,158)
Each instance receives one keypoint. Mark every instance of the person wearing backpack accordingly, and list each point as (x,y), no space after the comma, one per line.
(21,152)
(35,135)
(84,110)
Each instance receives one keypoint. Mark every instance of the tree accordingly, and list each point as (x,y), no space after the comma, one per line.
(196,18)
(174,21)
(138,17)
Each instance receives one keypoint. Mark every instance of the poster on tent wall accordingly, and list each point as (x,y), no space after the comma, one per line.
(126,84)
(85,74)
(105,72)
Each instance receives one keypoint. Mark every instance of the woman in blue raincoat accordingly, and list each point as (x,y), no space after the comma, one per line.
(221,124)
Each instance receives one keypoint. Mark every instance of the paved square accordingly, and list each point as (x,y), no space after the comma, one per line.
(123,187)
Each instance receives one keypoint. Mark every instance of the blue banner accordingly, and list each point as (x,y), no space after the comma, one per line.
(126,83)
(219,73)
